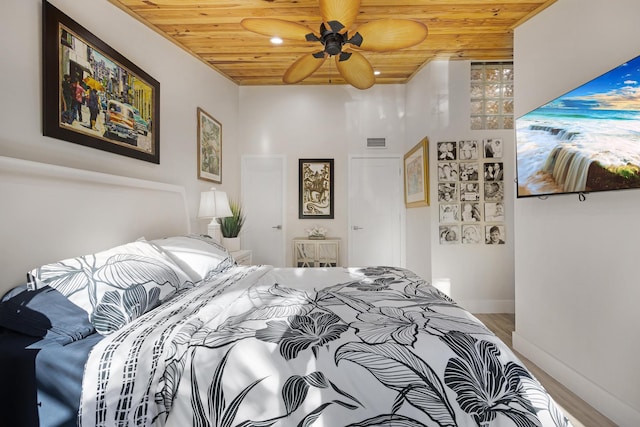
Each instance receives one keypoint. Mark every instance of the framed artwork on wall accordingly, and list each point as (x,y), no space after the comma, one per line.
(471,234)
(315,185)
(494,234)
(94,96)
(416,175)
(209,148)
(449,234)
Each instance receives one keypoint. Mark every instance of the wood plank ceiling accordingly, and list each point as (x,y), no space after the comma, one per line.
(476,30)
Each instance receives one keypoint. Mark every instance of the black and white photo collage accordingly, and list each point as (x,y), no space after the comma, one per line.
(471,192)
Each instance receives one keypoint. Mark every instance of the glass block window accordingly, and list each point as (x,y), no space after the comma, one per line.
(491,95)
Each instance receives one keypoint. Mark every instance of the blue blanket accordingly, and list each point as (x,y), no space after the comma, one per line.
(44,344)
(42,380)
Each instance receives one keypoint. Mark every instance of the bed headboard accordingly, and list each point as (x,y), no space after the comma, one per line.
(49,213)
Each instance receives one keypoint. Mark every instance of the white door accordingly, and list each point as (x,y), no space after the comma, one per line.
(263,200)
(376,212)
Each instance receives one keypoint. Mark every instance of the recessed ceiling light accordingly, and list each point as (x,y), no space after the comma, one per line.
(276,40)
(377,73)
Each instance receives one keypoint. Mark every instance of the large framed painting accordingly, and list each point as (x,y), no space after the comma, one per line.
(209,147)
(315,182)
(416,175)
(94,96)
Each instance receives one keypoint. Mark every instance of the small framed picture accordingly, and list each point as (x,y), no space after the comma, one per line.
(447,192)
(448,171)
(447,151)
(469,192)
(494,212)
(493,172)
(493,191)
(471,234)
(468,150)
(470,212)
(492,148)
(209,148)
(469,171)
(449,212)
(449,234)
(494,234)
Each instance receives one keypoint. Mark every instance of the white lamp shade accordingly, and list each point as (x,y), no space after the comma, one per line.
(214,204)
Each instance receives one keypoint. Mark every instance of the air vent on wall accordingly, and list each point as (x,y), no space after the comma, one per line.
(376,143)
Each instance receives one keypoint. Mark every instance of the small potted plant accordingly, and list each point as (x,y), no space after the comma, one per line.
(230,227)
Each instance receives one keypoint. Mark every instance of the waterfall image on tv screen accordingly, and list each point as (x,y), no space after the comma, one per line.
(584,141)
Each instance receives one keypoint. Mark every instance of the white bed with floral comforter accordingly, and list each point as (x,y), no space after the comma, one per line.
(185,338)
(258,346)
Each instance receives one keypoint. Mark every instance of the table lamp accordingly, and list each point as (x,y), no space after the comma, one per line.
(214,204)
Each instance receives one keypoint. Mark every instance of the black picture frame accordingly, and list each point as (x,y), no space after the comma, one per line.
(315,180)
(127,98)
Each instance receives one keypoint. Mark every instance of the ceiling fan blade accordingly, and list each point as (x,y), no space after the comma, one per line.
(355,69)
(277,27)
(390,34)
(304,67)
(343,11)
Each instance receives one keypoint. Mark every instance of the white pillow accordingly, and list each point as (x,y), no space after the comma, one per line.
(199,256)
(115,286)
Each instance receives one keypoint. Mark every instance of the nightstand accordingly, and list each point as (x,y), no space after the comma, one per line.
(242,257)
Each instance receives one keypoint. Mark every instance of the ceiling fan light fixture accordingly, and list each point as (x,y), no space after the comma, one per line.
(382,35)
(344,56)
(333,44)
(356,39)
(331,39)
(335,26)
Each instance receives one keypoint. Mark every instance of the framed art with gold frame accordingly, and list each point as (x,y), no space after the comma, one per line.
(416,175)
(209,148)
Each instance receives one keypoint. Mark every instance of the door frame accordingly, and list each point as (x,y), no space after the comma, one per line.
(403,218)
(243,187)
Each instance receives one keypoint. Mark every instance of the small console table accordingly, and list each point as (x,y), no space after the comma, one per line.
(316,252)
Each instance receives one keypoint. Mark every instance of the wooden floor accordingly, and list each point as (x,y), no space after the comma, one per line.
(576,409)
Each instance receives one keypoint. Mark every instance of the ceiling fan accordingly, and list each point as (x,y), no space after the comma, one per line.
(337,17)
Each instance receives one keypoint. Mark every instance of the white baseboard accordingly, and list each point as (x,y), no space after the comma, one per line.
(603,401)
(488,306)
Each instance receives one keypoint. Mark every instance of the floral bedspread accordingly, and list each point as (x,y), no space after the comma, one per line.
(258,346)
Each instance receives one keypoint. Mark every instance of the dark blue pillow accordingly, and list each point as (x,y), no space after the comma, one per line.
(45,313)
(14,291)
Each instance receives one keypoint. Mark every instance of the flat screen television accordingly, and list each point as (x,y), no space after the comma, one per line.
(584,141)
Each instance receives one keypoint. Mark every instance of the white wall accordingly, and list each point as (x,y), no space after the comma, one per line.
(576,269)
(334,121)
(320,122)
(296,121)
(479,277)
(185,84)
